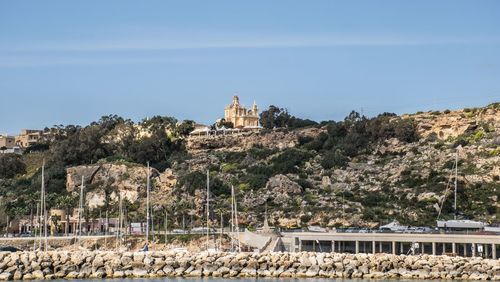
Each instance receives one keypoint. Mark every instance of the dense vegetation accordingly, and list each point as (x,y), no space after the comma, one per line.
(276,117)
(11,165)
(340,144)
(109,139)
(356,134)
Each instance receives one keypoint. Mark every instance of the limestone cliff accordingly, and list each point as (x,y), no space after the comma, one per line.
(454,123)
(408,181)
(115,179)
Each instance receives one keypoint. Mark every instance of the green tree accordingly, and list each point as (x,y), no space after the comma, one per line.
(68,203)
(184,128)
(11,165)
(222,123)
(274,117)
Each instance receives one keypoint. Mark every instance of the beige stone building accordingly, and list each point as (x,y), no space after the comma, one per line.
(57,222)
(31,136)
(7,142)
(240,116)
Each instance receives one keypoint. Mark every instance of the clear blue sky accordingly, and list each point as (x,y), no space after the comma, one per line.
(70,62)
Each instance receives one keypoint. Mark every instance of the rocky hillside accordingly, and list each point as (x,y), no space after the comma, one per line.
(326,174)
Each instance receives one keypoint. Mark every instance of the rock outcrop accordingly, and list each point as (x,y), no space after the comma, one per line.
(127,180)
(454,123)
(278,139)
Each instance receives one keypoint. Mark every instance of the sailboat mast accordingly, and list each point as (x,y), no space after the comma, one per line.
(152,216)
(34,229)
(166,227)
(80,210)
(44,206)
(456,184)
(40,215)
(232,218)
(236,220)
(208,207)
(221,230)
(147,208)
(106,230)
(120,224)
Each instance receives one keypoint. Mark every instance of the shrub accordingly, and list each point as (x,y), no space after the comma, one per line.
(243,187)
(478,135)
(218,187)
(260,169)
(289,160)
(255,181)
(233,157)
(373,199)
(192,181)
(334,159)
(295,122)
(11,165)
(439,145)
(369,214)
(460,141)
(304,183)
(259,152)
(229,167)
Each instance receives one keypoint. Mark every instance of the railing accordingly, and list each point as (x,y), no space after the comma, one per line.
(407,231)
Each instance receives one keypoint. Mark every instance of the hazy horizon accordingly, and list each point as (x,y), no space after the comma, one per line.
(73,62)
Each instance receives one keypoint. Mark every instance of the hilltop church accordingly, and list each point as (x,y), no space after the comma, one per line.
(240,116)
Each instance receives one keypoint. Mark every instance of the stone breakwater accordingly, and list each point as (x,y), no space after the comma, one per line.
(100,264)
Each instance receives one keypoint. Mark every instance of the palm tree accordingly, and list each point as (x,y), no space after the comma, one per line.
(67,202)
(31,200)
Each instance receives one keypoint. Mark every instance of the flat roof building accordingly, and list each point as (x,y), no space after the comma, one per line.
(7,142)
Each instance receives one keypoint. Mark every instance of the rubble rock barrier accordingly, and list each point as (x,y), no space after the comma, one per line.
(108,264)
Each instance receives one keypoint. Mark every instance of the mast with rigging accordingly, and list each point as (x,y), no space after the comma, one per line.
(456,185)
(147,207)
(80,210)
(208,207)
